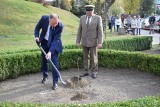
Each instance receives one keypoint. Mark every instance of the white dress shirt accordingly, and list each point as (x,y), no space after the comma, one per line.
(47,33)
(89,19)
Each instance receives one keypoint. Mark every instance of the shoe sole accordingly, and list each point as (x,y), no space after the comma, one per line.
(83,75)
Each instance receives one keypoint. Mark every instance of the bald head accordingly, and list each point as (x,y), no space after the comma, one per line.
(55,16)
(53,20)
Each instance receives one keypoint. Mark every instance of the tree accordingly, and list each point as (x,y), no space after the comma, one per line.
(105,8)
(56,3)
(65,4)
(101,6)
(147,7)
(131,6)
(116,8)
(98,7)
(78,7)
(108,4)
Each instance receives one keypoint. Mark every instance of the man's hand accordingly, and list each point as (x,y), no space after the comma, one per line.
(99,46)
(78,44)
(36,39)
(48,56)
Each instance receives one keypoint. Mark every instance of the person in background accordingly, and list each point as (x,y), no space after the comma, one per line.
(134,24)
(122,19)
(90,35)
(152,20)
(129,21)
(118,22)
(50,39)
(139,25)
(112,21)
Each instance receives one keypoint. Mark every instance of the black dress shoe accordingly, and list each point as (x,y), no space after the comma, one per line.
(84,74)
(55,86)
(94,75)
(44,80)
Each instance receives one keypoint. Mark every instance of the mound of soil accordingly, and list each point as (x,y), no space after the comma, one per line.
(76,82)
(79,96)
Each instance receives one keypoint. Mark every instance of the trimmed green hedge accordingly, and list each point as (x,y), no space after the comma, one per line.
(13,65)
(126,44)
(136,60)
(18,51)
(149,101)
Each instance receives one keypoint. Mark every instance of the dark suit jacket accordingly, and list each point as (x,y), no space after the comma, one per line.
(54,40)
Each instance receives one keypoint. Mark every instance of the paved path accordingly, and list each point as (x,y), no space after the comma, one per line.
(156,36)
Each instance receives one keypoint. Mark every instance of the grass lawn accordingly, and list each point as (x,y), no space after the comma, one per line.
(9,43)
(19,18)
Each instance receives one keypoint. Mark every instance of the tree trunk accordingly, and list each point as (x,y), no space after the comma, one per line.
(98,7)
(108,3)
(58,3)
(106,6)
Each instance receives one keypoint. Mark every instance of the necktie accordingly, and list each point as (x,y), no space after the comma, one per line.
(88,22)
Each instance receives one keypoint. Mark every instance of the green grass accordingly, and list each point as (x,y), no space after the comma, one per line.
(19,18)
(141,102)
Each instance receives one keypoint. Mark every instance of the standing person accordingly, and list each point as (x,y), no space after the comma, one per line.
(118,22)
(50,39)
(152,20)
(129,21)
(139,25)
(90,34)
(134,24)
(112,20)
(122,19)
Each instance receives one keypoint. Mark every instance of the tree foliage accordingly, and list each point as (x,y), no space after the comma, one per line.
(116,8)
(147,7)
(131,6)
(78,9)
(65,4)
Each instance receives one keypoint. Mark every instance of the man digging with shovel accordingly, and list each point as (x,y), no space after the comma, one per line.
(49,40)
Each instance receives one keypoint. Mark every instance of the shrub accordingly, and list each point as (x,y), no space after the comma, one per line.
(126,44)
(13,65)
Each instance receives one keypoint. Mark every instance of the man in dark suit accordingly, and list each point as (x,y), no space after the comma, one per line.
(50,39)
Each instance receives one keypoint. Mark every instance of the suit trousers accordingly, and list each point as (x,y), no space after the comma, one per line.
(54,58)
(90,58)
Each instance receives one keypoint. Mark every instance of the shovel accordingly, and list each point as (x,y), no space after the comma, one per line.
(38,43)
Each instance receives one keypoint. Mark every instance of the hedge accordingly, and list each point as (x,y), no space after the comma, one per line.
(13,65)
(125,43)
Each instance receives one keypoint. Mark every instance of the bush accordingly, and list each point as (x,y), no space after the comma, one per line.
(13,65)
(126,44)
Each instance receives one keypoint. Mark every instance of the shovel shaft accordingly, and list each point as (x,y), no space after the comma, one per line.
(53,66)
